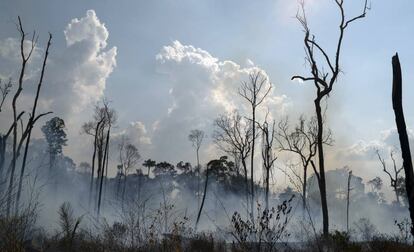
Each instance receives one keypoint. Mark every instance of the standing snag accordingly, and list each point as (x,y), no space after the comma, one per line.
(403,136)
(324,82)
(254,91)
(196,137)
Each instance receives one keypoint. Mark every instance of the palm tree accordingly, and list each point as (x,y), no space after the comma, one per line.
(149,163)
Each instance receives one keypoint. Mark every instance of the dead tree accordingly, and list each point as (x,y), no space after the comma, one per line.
(5,88)
(347,200)
(254,92)
(128,158)
(324,82)
(268,156)
(302,141)
(100,128)
(26,130)
(196,137)
(403,136)
(200,209)
(93,129)
(233,135)
(30,124)
(395,176)
(110,119)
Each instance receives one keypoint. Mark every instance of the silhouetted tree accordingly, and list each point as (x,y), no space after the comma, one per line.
(128,158)
(164,169)
(268,155)
(235,136)
(403,136)
(394,176)
(25,135)
(302,141)
(185,168)
(100,128)
(196,137)
(55,135)
(213,164)
(254,92)
(149,164)
(324,82)
(5,88)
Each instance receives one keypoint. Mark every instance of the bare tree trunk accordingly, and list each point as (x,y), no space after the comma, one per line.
(31,124)
(321,180)
(402,132)
(198,179)
(106,165)
(93,162)
(102,171)
(246,181)
(397,197)
(14,106)
(252,161)
(203,200)
(347,201)
(3,140)
(267,188)
(123,191)
(304,187)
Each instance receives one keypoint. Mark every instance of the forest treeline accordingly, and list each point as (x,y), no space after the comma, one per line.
(219,205)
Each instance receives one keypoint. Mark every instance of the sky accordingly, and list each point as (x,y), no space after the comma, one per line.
(174,65)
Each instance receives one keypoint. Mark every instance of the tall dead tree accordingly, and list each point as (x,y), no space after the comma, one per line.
(395,177)
(324,82)
(403,136)
(254,91)
(30,123)
(92,129)
(110,119)
(268,156)
(200,209)
(100,128)
(234,135)
(196,137)
(347,200)
(25,135)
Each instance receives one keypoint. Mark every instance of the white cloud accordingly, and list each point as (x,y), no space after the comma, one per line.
(81,72)
(75,77)
(203,87)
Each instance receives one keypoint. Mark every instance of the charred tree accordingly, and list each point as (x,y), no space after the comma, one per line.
(268,156)
(196,137)
(403,136)
(26,130)
(254,92)
(395,178)
(324,82)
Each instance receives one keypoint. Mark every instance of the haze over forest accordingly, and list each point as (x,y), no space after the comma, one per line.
(206,125)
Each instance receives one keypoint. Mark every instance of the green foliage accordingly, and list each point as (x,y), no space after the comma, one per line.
(54,131)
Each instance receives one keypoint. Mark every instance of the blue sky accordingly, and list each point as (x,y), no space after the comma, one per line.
(263,32)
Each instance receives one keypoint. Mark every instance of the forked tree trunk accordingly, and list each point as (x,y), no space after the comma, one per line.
(402,133)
